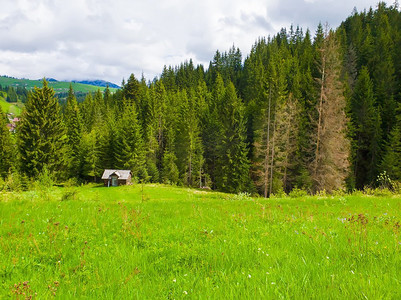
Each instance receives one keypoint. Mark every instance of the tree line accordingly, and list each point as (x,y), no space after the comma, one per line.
(19,94)
(314,113)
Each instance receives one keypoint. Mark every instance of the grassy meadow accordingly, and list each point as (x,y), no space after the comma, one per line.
(157,241)
(14,108)
(58,86)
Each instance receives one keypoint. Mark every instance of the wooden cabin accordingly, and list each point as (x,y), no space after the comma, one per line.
(116,177)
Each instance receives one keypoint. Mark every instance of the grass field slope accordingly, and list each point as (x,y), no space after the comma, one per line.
(162,242)
(9,107)
(58,86)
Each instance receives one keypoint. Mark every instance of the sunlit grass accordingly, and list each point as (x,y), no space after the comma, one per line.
(168,242)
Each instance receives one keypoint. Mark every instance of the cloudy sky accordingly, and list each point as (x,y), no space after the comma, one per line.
(110,39)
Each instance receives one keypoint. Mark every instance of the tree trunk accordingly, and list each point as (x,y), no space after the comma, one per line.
(267,151)
(319,125)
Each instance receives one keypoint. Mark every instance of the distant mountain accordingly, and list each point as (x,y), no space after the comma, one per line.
(49,80)
(58,86)
(100,83)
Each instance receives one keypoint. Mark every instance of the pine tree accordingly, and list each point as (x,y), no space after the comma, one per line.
(331,160)
(232,164)
(6,147)
(383,74)
(130,153)
(91,165)
(212,129)
(73,123)
(392,158)
(159,109)
(42,136)
(131,89)
(287,134)
(170,173)
(365,119)
(265,134)
(87,109)
(188,145)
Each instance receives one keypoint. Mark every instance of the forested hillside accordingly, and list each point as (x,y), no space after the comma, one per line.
(314,111)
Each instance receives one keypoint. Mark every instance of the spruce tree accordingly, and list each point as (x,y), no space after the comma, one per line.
(330,165)
(91,153)
(73,123)
(287,135)
(6,147)
(365,119)
(41,133)
(392,158)
(232,170)
(130,153)
(87,109)
(188,145)
(169,173)
(212,129)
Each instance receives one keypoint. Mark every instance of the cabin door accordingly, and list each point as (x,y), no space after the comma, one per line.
(114,181)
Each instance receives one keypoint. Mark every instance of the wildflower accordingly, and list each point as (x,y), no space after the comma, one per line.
(273,283)
(249,276)
(327,257)
(185,292)
(352,272)
(174,280)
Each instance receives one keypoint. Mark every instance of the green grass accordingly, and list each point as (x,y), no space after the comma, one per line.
(59,86)
(10,107)
(173,243)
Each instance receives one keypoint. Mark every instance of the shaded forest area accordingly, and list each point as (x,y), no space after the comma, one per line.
(319,112)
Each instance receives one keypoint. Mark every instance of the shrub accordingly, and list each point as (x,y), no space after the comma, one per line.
(69,194)
(14,182)
(242,196)
(385,182)
(45,179)
(297,193)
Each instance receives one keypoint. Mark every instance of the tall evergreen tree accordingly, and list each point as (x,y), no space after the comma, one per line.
(287,135)
(188,146)
(365,119)
(331,160)
(73,123)
(232,163)
(91,164)
(392,158)
(42,136)
(130,153)
(6,147)
(212,129)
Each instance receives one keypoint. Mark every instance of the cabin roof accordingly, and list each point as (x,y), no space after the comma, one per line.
(121,174)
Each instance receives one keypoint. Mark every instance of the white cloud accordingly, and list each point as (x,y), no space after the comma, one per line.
(109,39)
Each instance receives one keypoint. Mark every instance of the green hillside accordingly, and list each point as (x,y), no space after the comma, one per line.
(58,86)
(9,107)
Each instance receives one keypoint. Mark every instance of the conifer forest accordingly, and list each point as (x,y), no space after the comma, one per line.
(303,110)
